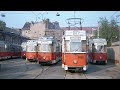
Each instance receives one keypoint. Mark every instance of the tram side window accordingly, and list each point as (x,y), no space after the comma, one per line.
(8,48)
(57,48)
(39,47)
(84,46)
(105,48)
(11,48)
(67,46)
(94,48)
(18,49)
(1,48)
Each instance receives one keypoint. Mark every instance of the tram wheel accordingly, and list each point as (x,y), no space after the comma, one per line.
(72,71)
(105,62)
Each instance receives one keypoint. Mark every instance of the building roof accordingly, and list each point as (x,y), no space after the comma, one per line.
(26,26)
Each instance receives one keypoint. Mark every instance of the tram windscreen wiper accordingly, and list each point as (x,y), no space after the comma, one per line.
(100,48)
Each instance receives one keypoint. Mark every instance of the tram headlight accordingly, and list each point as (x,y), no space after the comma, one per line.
(100,57)
(43,57)
(75,61)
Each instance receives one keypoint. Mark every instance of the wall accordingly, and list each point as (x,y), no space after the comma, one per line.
(113,54)
(57,33)
(36,30)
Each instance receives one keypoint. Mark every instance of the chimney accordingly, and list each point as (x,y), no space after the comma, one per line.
(47,23)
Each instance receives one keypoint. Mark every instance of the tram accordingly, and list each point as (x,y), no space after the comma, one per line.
(74,50)
(8,50)
(31,50)
(49,50)
(98,50)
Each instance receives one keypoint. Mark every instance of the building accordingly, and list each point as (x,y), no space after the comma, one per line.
(53,32)
(34,30)
(12,36)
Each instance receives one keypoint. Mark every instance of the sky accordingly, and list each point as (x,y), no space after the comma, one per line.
(17,19)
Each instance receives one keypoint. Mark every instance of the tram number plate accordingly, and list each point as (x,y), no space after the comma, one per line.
(80,57)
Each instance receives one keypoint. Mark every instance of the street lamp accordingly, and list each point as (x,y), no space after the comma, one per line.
(57,14)
(2,15)
(98,28)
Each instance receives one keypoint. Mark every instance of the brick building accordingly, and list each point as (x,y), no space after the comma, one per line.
(34,30)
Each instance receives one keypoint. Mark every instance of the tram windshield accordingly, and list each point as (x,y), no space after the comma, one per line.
(46,47)
(101,48)
(75,47)
(31,48)
(23,48)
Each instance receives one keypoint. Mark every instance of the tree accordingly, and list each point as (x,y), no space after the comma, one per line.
(114,31)
(109,31)
(104,30)
(2,25)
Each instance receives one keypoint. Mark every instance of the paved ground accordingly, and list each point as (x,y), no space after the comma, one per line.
(20,69)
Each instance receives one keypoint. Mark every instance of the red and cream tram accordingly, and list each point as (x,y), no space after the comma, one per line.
(4,53)
(74,50)
(15,50)
(31,50)
(8,51)
(98,50)
(49,50)
(23,51)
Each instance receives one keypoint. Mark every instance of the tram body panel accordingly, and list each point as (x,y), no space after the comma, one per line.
(75,59)
(46,56)
(99,56)
(31,55)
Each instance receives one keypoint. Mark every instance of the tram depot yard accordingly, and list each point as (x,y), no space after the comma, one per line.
(20,69)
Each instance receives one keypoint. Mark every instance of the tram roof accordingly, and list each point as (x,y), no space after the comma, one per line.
(99,40)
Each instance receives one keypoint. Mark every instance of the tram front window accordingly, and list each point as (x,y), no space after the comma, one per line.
(100,48)
(46,47)
(31,48)
(75,47)
(23,48)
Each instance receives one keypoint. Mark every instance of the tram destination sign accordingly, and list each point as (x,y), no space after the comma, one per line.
(75,32)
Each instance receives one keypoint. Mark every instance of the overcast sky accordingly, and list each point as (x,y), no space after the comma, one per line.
(17,19)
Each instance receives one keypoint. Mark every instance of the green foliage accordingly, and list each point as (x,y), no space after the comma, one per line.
(109,31)
(2,25)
